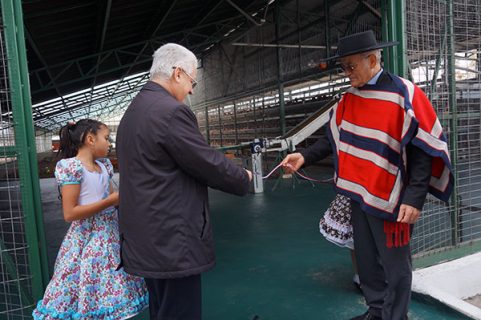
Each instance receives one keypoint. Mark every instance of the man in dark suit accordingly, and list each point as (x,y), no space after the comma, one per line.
(165,169)
(389,152)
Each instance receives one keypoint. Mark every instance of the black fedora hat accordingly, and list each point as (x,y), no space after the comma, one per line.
(357,43)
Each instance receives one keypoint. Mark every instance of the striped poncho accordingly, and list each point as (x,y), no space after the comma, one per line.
(369,130)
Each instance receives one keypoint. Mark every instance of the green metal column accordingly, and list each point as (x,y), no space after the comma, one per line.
(25,144)
(401,51)
(280,85)
(453,132)
(394,29)
(235,125)
(220,125)
(207,130)
(327,28)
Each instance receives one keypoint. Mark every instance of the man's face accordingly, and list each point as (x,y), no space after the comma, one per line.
(359,68)
(184,83)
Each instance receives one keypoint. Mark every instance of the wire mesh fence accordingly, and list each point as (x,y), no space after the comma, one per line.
(443,45)
(15,276)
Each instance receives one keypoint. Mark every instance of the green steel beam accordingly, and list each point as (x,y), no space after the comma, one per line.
(207,129)
(135,49)
(235,124)
(32,151)
(387,35)
(25,144)
(299,38)
(280,84)
(327,28)
(220,125)
(400,25)
(453,132)
(394,29)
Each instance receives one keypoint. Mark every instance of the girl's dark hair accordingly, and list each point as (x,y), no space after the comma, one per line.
(72,136)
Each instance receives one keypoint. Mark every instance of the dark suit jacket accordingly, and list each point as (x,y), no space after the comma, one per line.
(165,168)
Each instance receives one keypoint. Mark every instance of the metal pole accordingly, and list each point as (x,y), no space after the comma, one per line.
(207,129)
(327,29)
(30,131)
(299,39)
(220,125)
(280,85)
(255,117)
(400,31)
(25,144)
(453,132)
(235,124)
(387,35)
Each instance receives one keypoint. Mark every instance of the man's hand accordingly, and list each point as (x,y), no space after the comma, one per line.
(292,162)
(249,174)
(408,214)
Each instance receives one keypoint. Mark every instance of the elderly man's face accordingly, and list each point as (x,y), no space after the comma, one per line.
(184,83)
(359,68)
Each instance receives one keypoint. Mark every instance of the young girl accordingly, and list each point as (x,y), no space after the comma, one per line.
(86,283)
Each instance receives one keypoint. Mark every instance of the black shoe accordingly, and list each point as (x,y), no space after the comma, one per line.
(366,316)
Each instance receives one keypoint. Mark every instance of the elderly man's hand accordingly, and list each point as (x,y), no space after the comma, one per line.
(408,214)
(293,162)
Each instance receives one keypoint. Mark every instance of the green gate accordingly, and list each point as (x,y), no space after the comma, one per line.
(23,261)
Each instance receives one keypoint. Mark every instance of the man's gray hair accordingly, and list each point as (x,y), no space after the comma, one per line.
(172,55)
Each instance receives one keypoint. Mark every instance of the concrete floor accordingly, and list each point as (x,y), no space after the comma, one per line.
(476,300)
(272,263)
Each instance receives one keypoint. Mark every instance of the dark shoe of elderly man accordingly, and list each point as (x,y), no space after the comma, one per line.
(366,316)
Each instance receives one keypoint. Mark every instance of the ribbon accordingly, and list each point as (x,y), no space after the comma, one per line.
(299,174)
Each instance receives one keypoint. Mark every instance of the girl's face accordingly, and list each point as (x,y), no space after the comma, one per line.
(101,145)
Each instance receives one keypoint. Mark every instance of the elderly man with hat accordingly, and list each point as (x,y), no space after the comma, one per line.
(389,152)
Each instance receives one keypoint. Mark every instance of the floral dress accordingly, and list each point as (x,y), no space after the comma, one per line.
(86,283)
(335,225)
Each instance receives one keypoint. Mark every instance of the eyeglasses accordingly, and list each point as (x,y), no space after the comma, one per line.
(351,66)
(192,80)
(348,67)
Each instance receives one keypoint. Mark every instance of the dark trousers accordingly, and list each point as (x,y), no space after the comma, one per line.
(385,273)
(175,299)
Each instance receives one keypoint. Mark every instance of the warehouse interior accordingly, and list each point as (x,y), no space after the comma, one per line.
(260,75)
